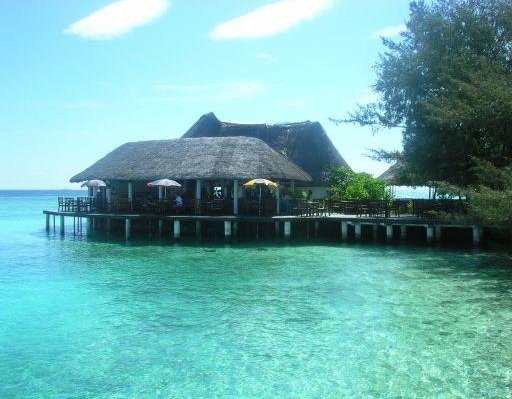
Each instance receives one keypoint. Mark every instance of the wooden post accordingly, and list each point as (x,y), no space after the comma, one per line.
(389,232)
(430,234)
(235,229)
(130,191)
(317,228)
(277,228)
(198,197)
(160,227)
(108,195)
(344,231)
(198,228)
(160,193)
(48,222)
(130,195)
(62,226)
(403,232)
(375,231)
(177,229)
(357,231)
(109,223)
(477,235)
(438,233)
(127,229)
(287,229)
(235,197)
(227,229)
(278,210)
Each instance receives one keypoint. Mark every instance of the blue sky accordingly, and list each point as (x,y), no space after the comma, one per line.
(79,78)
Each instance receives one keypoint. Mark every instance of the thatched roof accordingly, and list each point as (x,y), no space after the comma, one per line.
(203,158)
(304,143)
(389,174)
(393,175)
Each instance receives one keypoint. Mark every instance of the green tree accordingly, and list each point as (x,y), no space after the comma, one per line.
(447,82)
(346,184)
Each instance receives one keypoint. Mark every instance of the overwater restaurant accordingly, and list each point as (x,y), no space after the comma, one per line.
(210,170)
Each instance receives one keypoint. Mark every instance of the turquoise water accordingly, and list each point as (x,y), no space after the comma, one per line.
(86,319)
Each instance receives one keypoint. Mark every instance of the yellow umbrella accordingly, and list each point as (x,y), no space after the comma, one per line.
(261,182)
(264,182)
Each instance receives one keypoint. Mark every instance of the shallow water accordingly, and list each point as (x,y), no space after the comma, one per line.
(90,319)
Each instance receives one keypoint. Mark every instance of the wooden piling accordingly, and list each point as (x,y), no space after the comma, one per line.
(287,229)
(477,235)
(47,222)
(227,229)
(403,232)
(177,229)
(430,234)
(344,231)
(357,231)
(375,231)
(198,228)
(127,229)
(438,232)
(62,226)
(389,232)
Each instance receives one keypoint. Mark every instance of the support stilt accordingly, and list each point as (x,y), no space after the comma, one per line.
(47,222)
(344,231)
(62,226)
(375,231)
(277,228)
(403,232)
(127,229)
(227,229)
(317,228)
(477,235)
(198,229)
(177,229)
(438,233)
(160,227)
(430,234)
(287,229)
(389,232)
(357,231)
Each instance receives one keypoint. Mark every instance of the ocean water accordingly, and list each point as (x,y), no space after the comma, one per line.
(87,319)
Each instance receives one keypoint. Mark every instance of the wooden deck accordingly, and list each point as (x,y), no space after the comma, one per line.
(283,224)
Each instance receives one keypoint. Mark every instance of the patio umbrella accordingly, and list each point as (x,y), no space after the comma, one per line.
(261,182)
(94,184)
(164,183)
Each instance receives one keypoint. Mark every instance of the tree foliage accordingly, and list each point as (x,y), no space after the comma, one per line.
(447,82)
(346,184)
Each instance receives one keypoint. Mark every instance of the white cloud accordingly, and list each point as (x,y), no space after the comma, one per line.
(118,18)
(266,57)
(226,91)
(270,19)
(390,31)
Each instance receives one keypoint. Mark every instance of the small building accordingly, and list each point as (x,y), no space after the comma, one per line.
(209,169)
(304,143)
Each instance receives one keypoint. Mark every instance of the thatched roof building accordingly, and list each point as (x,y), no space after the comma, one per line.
(305,143)
(196,158)
(389,175)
